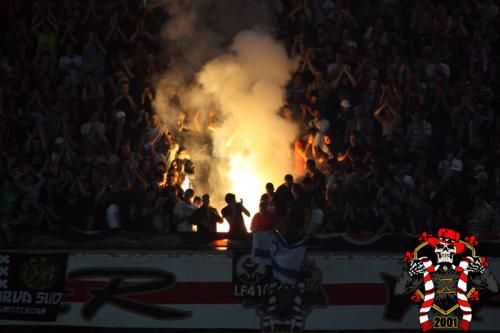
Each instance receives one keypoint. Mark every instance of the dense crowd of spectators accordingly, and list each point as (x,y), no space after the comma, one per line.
(395,99)
(80,142)
(398,102)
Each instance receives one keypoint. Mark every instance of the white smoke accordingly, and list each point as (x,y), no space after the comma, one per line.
(229,63)
(247,86)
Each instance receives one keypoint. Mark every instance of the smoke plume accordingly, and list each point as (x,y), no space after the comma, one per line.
(227,61)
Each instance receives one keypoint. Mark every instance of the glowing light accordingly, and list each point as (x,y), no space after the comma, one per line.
(245,184)
(186,184)
(223,227)
(221,244)
(251,142)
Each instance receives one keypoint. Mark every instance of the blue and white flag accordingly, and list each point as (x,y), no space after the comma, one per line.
(261,247)
(286,259)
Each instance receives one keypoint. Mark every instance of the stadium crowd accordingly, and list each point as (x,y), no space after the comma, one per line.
(396,100)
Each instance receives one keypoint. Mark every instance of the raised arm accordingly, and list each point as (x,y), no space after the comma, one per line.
(336,81)
(243,209)
(309,64)
(34,29)
(354,82)
(378,111)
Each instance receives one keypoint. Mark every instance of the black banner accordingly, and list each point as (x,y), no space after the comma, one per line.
(250,280)
(31,285)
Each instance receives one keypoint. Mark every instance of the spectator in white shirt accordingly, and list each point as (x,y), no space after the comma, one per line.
(319,127)
(94,131)
(183,210)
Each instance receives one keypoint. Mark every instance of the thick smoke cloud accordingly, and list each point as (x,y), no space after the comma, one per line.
(246,86)
(200,30)
(227,61)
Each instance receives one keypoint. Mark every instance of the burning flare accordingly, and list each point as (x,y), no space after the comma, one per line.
(253,143)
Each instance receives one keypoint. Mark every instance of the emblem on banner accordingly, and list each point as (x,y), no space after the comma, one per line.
(286,306)
(248,271)
(39,273)
(31,285)
(445,275)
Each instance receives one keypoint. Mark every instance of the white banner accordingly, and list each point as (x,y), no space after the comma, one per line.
(195,290)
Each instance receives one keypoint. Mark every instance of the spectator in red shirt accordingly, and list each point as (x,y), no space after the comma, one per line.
(266,219)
